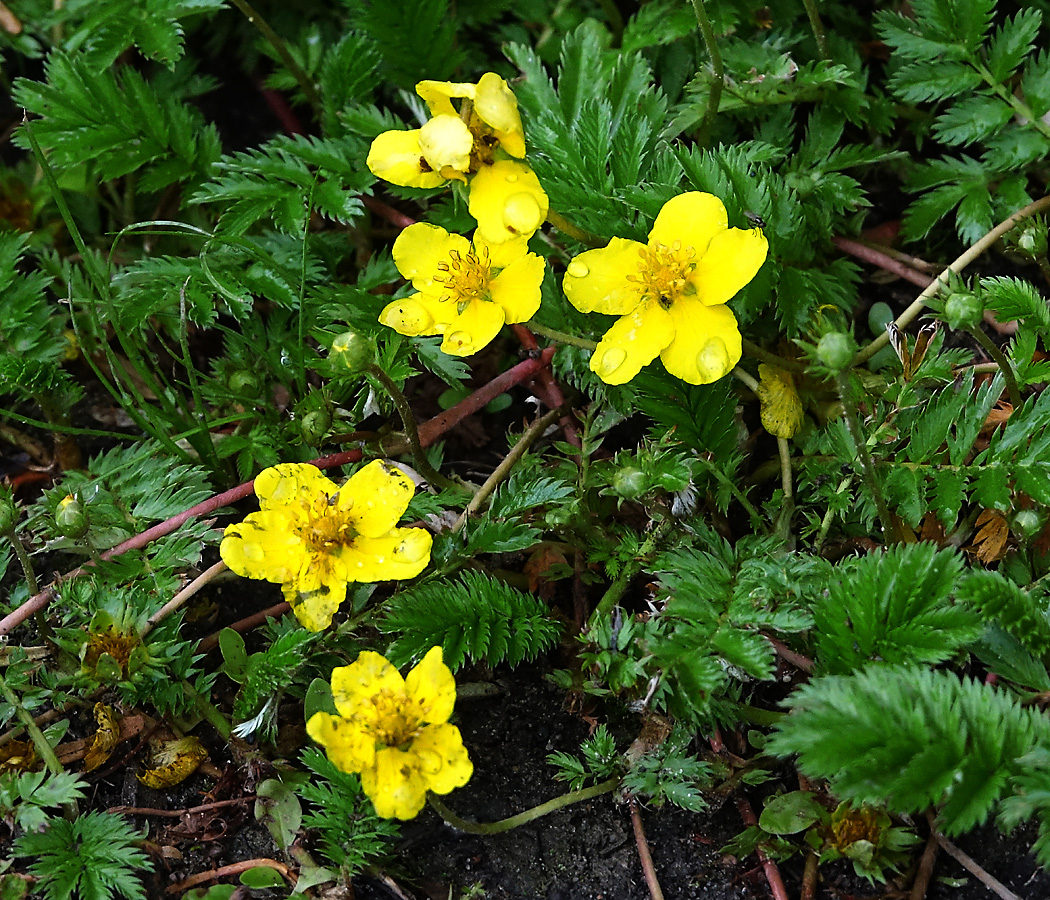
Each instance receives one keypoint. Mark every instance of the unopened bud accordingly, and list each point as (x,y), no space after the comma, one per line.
(8,511)
(836,350)
(963,310)
(70,517)
(351,352)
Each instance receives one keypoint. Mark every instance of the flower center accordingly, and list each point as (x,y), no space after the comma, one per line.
(328,529)
(395,723)
(466,278)
(663,271)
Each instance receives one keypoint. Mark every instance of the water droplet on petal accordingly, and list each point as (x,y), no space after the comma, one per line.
(522,214)
(512,178)
(577,269)
(713,359)
(610,361)
(412,551)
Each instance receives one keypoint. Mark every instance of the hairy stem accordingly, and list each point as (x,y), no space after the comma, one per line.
(523,818)
(560,336)
(818,28)
(43,748)
(618,588)
(1004,364)
(703,133)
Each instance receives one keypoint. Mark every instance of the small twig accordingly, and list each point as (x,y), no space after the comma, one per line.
(925,870)
(182,596)
(523,818)
(227,871)
(917,306)
(528,438)
(776,883)
(646,858)
(177,813)
(993,884)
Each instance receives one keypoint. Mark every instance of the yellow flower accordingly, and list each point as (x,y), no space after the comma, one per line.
(395,731)
(670,293)
(465,291)
(312,536)
(480,143)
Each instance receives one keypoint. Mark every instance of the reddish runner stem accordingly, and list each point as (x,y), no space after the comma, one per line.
(776,883)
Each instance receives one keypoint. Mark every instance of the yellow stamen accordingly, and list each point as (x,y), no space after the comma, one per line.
(663,271)
(466,278)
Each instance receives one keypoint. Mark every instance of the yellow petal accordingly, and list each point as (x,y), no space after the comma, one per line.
(401,553)
(731,261)
(597,280)
(315,607)
(395,786)
(633,342)
(693,219)
(438,95)
(473,328)
(290,484)
(432,687)
(173,762)
(263,546)
(420,248)
(446,143)
(376,496)
(396,156)
(706,344)
(349,747)
(107,736)
(354,686)
(781,409)
(411,316)
(507,201)
(502,254)
(517,288)
(496,106)
(442,758)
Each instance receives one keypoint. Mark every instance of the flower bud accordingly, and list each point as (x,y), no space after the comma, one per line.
(314,426)
(351,353)
(836,350)
(1027,523)
(629,483)
(71,518)
(1031,239)
(8,511)
(244,381)
(963,310)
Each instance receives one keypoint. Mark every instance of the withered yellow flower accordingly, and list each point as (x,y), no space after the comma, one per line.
(395,731)
(313,537)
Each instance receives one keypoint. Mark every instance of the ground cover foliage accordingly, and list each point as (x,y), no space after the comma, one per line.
(810,576)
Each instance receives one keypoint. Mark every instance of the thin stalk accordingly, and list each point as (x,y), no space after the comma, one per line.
(1023,110)
(207,445)
(534,431)
(756,352)
(618,588)
(27,564)
(783,526)
(734,489)
(560,336)
(974,251)
(523,818)
(408,422)
(279,45)
(1004,364)
(209,711)
(818,28)
(43,748)
(703,133)
(182,596)
(577,234)
(825,523)
(867,467)
(646,858)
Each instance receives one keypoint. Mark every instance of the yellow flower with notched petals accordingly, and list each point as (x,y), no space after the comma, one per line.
(670,293)
(481,143)
(395,731)
(465,292)
(313,537)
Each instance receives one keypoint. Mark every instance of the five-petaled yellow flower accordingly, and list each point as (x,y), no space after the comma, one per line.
(313,537)
(670,293)
(395,731)
(482,144)
(465,291)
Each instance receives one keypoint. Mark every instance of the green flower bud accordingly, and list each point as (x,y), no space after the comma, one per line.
(71,518)
(351,353)
(1027,523)
(963,310)
(1031,239)
(836,350)
(244,381)
(629,483)
(8,511)
(314,426)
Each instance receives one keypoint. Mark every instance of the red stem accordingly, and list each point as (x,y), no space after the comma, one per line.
(882,260)
(776,883)
(546,387)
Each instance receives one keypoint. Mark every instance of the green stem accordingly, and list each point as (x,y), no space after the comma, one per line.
(867,467)
(734,489)
(577,234)
(818,28)
(207,444)
(756,352)
(209,711)
(1022,109)
(974,251)
(524,818)
(43,748)
(561,336)
(703,133)
(279,45)
(618,588)
(408,422)
(1004,364)
(25,561)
